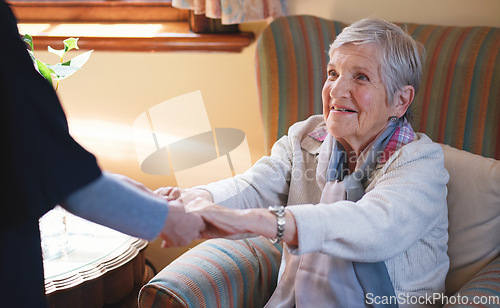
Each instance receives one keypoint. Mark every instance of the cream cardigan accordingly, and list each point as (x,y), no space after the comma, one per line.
(401,219)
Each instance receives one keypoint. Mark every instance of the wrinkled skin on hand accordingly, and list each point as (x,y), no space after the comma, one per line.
(181,228)
(219,221)
(186,196)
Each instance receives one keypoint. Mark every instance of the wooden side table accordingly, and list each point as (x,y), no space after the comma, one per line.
(98,268)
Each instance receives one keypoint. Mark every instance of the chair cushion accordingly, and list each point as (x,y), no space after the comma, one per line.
(217,273)
(482,291)
(474,214)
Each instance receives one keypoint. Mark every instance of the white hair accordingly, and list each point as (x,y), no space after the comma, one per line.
(402,56)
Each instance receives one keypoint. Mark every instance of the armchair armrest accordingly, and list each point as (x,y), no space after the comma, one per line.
(217,273)
(483,290)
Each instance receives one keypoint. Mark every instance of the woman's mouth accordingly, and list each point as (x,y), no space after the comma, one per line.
(342,109)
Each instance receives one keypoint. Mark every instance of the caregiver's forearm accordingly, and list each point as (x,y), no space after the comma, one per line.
(119,205)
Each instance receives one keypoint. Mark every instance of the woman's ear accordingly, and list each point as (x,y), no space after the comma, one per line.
(402,100)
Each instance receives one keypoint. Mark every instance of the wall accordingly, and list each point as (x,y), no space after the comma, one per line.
(440,12)
(103,99)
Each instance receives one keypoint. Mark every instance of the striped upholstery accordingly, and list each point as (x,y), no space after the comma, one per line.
(458,103)
(217,273)
(291,59)
(482,291)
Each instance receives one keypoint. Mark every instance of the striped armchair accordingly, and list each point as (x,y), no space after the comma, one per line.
(458,105)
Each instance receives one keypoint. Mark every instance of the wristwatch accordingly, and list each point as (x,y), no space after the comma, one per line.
(279,211)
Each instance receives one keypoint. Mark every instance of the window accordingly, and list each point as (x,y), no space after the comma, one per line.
(124,25)
(96,11)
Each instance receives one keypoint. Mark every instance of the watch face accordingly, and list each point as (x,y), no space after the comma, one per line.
(275,208)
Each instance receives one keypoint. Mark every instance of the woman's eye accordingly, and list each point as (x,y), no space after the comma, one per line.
(332,74)
(362,77)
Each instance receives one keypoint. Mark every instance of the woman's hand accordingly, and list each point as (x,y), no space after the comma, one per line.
(224,222)
(186,196)
(181,228)
(219,221)
(169,192)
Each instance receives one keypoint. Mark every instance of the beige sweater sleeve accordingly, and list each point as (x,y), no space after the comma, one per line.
(405,201)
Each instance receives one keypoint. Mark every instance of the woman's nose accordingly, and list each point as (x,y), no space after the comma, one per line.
(340,88)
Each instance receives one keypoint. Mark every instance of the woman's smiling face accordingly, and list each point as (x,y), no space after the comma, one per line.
(355,103)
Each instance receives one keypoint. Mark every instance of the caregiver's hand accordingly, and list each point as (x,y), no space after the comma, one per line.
(186,196)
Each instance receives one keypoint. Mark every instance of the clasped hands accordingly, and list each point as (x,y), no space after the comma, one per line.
(193,215)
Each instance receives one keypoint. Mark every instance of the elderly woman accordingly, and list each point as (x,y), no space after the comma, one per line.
(356,195)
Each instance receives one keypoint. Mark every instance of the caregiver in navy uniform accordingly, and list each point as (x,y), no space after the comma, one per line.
(43,166)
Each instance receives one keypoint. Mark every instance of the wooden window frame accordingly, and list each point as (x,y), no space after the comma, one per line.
(96,11)
(181,29)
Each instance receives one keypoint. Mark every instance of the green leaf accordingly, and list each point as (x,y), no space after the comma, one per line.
(44,71)
(59,52)
(68,68)
(70,43)
(29,40)
(61,71)
(81,59)
(32,56)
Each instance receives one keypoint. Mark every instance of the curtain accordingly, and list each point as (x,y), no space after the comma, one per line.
(235,11)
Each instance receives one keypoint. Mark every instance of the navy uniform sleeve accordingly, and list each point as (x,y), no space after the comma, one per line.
(41,163)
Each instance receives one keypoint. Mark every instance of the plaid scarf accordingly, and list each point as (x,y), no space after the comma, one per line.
(404,134)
